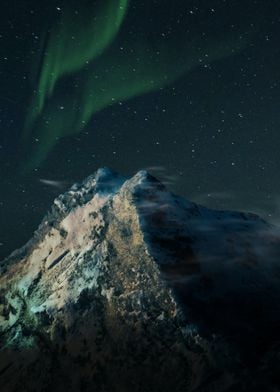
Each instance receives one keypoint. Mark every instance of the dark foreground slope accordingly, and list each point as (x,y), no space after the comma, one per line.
(126,287)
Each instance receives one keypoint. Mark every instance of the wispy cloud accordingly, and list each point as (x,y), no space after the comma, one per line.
(163,175)
(53,183)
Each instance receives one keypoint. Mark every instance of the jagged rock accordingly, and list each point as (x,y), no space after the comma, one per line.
(125,286)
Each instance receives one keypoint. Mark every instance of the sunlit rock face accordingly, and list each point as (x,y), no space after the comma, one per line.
(126,287)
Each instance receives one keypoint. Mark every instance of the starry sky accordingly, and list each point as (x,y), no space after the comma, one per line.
(186,89)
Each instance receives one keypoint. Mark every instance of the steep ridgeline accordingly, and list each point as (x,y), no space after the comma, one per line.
(126,287)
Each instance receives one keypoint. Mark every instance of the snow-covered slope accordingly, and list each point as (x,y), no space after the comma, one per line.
(125,286)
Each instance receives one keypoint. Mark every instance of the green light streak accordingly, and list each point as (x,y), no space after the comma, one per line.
(77,39)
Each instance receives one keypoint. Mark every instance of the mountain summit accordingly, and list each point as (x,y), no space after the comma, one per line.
(127,287)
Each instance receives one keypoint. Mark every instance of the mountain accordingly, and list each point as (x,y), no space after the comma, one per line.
(127,287)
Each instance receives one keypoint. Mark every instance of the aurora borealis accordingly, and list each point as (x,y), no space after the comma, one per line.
(189,89)
(82,43)
(77,38)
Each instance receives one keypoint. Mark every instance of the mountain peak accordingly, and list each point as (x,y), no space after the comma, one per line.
(103,180)
(142,184)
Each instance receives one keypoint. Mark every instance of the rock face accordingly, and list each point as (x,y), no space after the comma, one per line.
(126,287)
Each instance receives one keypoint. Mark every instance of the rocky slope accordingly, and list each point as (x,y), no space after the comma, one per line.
(125,286)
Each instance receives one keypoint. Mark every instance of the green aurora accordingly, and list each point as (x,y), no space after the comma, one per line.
(106,72)
(76,39)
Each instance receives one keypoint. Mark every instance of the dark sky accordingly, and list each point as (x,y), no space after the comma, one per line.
(207,124)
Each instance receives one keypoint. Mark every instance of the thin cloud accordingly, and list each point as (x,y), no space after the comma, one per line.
(53,183)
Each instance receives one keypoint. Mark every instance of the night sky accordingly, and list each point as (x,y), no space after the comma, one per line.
(186,89)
